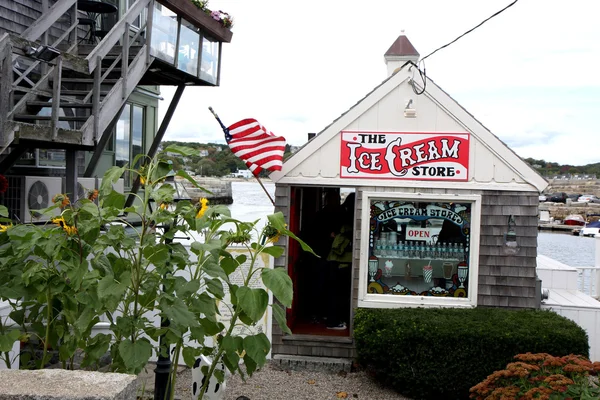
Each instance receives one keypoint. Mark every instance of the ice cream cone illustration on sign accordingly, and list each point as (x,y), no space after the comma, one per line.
(388,268)
(427,273)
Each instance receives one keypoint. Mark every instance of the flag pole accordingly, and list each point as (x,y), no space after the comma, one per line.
(226,131)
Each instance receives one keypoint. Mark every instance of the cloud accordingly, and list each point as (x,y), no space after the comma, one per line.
(532,138)
(529,74)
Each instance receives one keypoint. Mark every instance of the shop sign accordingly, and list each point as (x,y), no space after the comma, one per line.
(419,214)
(405,155)
(421,234)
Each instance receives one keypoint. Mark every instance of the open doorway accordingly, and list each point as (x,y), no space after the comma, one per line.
(324,218)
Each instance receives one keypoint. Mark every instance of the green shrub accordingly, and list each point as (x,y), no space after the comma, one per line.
(441,353)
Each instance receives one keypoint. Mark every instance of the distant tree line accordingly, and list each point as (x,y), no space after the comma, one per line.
(218,161)
(547,168)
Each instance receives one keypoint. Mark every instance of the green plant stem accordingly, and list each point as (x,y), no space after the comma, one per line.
(49,317)
(173,374)
(234,318)
(138,264)
(6,358)
(6,355)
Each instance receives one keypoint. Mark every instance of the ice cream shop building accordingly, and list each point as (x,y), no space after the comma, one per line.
(444,213)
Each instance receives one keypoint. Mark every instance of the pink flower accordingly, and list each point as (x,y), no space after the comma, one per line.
(216,15)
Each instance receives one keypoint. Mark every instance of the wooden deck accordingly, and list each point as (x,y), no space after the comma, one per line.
(557,227)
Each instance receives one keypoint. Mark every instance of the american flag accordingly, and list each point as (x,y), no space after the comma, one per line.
(255,145)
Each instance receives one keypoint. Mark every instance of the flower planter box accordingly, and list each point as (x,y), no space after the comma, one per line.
(199,18)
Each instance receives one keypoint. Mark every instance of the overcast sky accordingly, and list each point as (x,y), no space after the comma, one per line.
(530,75)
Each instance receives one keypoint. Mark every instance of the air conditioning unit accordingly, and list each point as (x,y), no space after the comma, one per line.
(84,186)
(30,194)
(118,187)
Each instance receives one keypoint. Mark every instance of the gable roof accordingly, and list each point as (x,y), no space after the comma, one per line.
(404,74)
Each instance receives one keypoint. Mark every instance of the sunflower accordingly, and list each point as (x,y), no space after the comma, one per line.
(4,228)
(93,195)
(273,233)
(61,198)
(203,208)
(60,221)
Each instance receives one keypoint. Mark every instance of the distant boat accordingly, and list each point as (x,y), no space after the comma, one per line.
(592,229)
(574,219)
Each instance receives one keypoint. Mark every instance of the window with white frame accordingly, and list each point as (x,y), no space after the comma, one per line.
(419,249)
(137,23)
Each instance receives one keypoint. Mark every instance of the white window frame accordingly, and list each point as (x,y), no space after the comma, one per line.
(370,300)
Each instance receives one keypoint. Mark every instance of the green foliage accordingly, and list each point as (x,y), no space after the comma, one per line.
(441,353)
(92,261)
(547,168)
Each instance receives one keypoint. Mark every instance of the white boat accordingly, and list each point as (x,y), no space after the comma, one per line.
(592,229)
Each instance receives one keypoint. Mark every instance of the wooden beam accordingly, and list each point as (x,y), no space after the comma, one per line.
(56,96)
(125,60)
(113,100)
(42,133)
(70,61)
(71,174)
(11,158)
(6,80)
(96,100)
(107,134)
(157,139)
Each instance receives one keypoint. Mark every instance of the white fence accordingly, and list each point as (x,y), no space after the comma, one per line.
(589,277)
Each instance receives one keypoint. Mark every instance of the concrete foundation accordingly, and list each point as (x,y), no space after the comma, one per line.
(307,363)
(55,384)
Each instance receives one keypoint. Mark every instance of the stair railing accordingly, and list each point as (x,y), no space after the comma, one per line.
(131,71)
(34,79)
(118,31)
(6,133)
(12,48)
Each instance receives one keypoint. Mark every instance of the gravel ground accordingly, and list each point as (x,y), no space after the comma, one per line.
(270,383)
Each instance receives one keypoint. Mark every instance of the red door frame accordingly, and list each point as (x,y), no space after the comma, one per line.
(293,249)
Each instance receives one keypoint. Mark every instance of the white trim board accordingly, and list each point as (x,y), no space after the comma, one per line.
(521,170)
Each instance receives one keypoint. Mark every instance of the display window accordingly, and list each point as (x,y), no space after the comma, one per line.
(422,249)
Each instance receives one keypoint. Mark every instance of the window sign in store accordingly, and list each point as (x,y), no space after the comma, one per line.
(419,248)
(405,155)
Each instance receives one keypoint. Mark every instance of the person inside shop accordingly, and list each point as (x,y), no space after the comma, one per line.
(340,268)
(451,233)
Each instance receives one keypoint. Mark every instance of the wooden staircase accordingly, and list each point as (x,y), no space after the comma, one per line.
(69,101)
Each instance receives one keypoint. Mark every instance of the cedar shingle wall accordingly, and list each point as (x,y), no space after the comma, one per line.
(281,204)
(18,15)
(507,281)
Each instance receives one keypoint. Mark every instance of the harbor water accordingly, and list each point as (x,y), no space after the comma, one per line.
(250,203)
